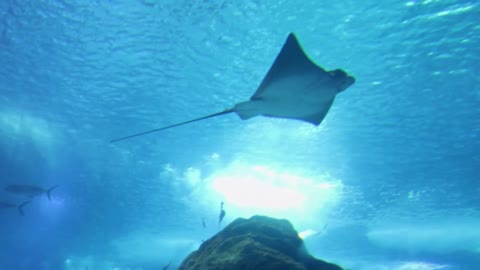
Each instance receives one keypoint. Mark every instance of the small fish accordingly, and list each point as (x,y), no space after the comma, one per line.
(4,205)
(30,191)
(203,223)
(222,214)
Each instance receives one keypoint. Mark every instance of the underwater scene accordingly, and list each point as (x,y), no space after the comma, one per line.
(249,135)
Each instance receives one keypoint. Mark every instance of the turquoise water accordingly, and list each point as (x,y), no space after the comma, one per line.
(389,180)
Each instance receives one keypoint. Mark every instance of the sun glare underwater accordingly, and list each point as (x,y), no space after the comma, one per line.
(388,180)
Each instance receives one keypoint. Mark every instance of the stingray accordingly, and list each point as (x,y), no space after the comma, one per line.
(294,88)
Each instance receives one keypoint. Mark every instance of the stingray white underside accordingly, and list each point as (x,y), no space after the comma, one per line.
(312,100)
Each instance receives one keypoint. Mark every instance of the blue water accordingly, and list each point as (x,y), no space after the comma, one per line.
(389,180)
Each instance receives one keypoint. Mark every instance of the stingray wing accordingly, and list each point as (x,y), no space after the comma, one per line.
(318,116)
(291,61)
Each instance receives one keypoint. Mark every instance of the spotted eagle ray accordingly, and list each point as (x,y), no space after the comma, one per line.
(29,190)
(5,204)
(294,88)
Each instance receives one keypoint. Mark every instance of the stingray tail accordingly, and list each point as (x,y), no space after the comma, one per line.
(175,125)
(49,194)
(20,207)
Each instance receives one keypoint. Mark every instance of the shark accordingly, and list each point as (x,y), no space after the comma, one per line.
(6,204)
(30,191)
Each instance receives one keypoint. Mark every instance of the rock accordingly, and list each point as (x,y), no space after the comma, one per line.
(258,243)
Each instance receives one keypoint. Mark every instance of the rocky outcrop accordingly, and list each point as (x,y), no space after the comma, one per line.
(258,243)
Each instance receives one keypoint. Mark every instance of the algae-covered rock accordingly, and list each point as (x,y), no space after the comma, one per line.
(258,243)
